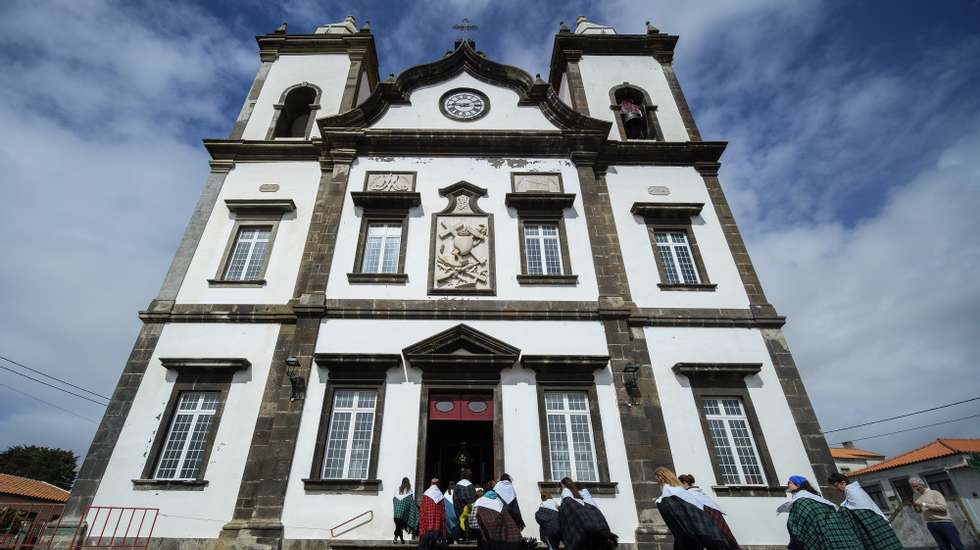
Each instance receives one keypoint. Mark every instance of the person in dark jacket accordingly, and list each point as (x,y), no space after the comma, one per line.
(582,525)
(547,518)
(464,495)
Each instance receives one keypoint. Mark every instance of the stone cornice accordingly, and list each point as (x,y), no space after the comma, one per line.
(565,368)
(357,367)
(667,209)
(208,364)
(717,369)
(261,150)
(271,46)
(571,47)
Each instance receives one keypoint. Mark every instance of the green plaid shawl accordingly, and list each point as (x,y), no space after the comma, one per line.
(873,530)
(407,510)
(818,526)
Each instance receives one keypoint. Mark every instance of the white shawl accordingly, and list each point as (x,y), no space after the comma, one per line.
(401,496)
(587,497)
(463,483)
(566,492)
(550,504)
(857,499)
(434,493)
(505,490)
(704,499)
(495,504)
(681,493)
(787,506)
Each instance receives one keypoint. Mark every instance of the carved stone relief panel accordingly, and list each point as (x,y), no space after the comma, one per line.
(392,182)
(536,182)
(462,244)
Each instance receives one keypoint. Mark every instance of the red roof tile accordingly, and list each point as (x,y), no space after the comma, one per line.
(31,488)
(845,452)
(936,449)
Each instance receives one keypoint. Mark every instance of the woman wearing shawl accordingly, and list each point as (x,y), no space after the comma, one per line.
(452,520)
(505,490)
(432,518)
(547,518)
(814,523)
(866,518)
(498,531)
(582,525)
(406,511)
(464,495)
(684,514)
(472,525)
(710,507)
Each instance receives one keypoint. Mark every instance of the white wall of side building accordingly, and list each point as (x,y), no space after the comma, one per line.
(494,175)
(399,432)
(326,71)
(669,346)
(192,514)
(298,181)
(600,73)
(630,184)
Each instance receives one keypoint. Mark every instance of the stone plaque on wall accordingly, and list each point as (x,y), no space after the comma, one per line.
(534,182)
(462,244)
(390,182)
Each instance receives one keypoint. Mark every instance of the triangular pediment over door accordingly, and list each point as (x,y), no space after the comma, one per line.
(462,354)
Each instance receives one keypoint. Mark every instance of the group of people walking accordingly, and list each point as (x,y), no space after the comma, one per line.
(491,517)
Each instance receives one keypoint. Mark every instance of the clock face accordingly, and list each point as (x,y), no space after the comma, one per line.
(464,104)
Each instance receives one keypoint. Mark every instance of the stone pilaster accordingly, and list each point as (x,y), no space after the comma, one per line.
(576,86)
(666,64)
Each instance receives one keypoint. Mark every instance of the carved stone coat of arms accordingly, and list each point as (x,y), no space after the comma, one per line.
(462,259)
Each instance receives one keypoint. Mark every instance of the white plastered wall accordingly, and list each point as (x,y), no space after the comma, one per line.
(201,513)
(327,71)
(504,113)
(364,89)
(600,73)
(630,184)
(494,175)
(564,93)
(304,513)
(669,346)
(297,181)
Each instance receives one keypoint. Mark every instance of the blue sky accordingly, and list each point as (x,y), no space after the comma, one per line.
(853,169)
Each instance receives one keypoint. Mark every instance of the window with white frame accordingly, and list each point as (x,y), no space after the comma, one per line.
(542,248)
(348,449)
(187,439)
(382,244)
(248,254)
(675,254)
(570,440)
(735,449)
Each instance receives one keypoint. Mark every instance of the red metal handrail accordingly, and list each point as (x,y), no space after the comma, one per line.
(92,529)
(351,520)
(28,526)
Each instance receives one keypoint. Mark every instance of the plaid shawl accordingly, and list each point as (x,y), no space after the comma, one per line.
(719,520)
(817,526)
(406,509)
(692,527)
(432,518)
(583,527)
(874,531)
(498,530)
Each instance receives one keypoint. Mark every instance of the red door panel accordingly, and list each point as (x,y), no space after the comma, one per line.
(470,407)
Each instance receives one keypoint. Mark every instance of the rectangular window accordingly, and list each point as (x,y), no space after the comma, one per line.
(675,255)
(542,247)
(877,495)
(735,449)
(348,449)
(903,489)
(248,253)
(382,245)
(190,429)
(940,481)
(570,439)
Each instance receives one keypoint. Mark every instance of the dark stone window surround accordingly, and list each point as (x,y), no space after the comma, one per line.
(571,373)
(720,380)
(193,374)
(653,125)
(281,104)
(383,207)
(248,213)
(542,207)
(665,216)
(350,371)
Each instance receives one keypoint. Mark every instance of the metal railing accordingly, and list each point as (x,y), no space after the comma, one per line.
(27,526)
(115,527)
(370,517)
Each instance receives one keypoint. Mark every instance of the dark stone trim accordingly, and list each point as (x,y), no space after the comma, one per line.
(670,210)
(220,313)
(169,484)
(260,207)
(437,358)
(342,485)
(377,278)
(705,317)
(359,367)
(663,153)
(570,47)
(603,236)
(547,280)
(278,107)
(107,435)
(447,114)
(576,85)
(215,365)
(386,200)
(342,376)
(565,368)
(675,89)
(271,46)
(748,491)
(244,219)
(702,287)
(655,133)
(261,151)
(250,283)
(717,369)
(250,100)
(595,419)
(595,488)
(533,201)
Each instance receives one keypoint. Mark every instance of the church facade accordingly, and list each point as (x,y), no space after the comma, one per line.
(463,265)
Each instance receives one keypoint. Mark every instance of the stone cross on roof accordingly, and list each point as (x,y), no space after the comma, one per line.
(464,27)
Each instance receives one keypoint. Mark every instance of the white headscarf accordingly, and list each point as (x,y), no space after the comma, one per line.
(550,504)
(434,493)
(704,499)
(495,504)
(857,499)
(505,490)
(463,483)
(681,493)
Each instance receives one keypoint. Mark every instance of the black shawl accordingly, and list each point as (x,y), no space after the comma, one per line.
(463,496)
(548,523)
(583,527)
(692,527)
(515,512)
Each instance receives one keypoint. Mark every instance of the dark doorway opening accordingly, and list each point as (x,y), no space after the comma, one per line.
(459,434)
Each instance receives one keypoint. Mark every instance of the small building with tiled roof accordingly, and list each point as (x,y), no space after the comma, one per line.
(849,458)
(22,490)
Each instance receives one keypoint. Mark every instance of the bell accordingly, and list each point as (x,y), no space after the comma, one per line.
(630,116)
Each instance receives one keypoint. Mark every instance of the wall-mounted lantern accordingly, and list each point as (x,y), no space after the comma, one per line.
(631,374)
(296,379)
